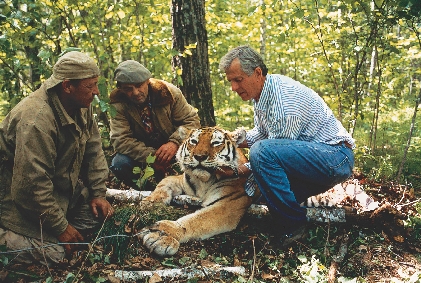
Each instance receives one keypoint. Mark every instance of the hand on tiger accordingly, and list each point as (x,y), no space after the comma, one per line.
(165,153)
(226,171)
(229,172)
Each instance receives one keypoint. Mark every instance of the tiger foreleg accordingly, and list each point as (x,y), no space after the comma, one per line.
(166,189)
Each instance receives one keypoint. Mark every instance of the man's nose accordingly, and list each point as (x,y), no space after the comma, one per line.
(234,86)
(96,90)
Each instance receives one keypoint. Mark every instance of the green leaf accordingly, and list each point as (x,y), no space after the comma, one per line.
(103,105)
(203,254)
(184,260)
(70,278)
(111,110)
(150,159)
(149,172)
(169,262)
(136,170)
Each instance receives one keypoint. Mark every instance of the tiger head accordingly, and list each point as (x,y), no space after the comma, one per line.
(207,150)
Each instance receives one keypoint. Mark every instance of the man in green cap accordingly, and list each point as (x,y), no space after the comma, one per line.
(149,112)
(52,167)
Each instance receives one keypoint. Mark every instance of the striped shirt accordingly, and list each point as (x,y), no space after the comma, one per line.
(289,110)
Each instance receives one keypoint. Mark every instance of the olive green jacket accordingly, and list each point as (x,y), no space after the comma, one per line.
(169,111)
(44,155)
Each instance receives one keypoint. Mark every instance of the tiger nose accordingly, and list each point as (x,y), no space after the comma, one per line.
(200,157)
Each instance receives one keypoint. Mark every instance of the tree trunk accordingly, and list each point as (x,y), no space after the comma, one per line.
(191,42)
(411,131)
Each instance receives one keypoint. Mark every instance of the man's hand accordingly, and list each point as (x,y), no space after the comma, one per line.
(101,208)
(165,153)
(70,235)
(228,172)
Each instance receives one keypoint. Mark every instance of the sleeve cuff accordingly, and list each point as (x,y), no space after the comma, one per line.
(248,166)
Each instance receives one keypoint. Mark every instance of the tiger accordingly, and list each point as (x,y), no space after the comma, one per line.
(204,154)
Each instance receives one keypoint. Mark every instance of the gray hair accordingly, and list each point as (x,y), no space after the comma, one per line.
(249,60)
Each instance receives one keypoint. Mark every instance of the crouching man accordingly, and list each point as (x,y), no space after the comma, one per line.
(52,167)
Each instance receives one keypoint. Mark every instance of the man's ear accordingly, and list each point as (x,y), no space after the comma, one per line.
(66,85)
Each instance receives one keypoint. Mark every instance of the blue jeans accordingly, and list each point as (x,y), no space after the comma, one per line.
(289,171)
(122,166)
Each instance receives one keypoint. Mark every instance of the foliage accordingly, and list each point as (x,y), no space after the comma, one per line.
(146,173)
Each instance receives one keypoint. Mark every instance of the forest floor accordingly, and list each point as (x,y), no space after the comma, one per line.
(330,252)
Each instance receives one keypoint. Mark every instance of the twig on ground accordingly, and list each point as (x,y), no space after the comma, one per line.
(337,259)
(42,246)
(254,262)
(403,196)
(91,247)
(409,203)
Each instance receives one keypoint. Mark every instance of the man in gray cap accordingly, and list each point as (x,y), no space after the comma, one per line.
(149,112)
(52,167)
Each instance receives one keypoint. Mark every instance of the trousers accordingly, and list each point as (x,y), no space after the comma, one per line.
(289,171)
(27,250)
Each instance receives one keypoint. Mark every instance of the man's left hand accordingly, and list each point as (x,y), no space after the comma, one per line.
(101,208)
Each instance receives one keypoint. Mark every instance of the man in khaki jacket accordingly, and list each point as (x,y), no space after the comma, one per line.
(149,112)
(52,167)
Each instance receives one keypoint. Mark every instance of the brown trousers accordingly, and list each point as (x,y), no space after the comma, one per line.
(26,250)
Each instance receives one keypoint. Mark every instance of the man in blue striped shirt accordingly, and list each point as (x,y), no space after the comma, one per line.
(297,147)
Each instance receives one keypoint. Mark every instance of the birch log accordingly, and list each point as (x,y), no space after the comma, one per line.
(183,273)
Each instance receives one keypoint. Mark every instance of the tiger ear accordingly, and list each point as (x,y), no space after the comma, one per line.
(183,132)
(239,135)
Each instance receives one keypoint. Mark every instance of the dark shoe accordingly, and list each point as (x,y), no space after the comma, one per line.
(297,235)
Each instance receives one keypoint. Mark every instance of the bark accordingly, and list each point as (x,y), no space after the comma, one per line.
(181,273)
(190,36)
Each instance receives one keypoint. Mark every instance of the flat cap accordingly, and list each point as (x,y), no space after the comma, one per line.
(72,66)
(131,72)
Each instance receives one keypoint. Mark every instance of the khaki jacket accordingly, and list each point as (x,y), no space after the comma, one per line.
(169,111)
(44,155)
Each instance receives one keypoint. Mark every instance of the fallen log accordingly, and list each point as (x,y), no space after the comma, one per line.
(202,272)
(314,214)
(126,196)
(386,218)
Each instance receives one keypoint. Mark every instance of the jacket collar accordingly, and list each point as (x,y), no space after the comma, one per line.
(65,119)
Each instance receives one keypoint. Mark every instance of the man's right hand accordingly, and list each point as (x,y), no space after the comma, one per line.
(70,235)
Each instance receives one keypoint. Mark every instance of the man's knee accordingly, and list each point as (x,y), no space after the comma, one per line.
(26,250)
(122,167)
(122,162)
(256,151)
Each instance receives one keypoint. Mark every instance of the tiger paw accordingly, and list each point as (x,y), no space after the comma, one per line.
(162,238)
